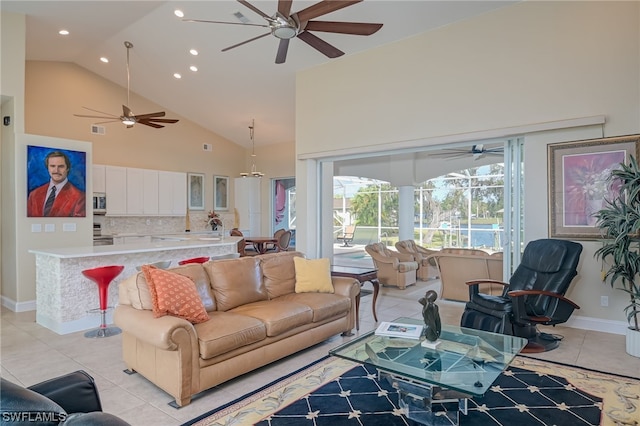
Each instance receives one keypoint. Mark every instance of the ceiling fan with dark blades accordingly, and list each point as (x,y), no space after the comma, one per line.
(128,118)
(478,151)
(285,25)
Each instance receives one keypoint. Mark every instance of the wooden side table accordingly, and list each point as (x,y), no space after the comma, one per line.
(362,275)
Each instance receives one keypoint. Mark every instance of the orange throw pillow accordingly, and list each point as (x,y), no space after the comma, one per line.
(174,294)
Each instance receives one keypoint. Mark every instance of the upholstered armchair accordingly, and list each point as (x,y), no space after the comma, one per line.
(427,268)
(534,295)
(394,269)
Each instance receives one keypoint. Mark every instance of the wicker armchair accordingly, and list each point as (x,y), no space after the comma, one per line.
(427,268)
(394,269)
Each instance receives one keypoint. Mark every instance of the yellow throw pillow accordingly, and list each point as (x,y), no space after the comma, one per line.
(174,294)
(313,275)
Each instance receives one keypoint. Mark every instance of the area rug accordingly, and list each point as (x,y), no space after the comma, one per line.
(333,391)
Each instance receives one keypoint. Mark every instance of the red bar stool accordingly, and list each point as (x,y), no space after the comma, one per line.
(103,276)
(194,260)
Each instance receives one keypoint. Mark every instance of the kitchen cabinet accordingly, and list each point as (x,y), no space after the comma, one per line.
(145,192)
(99,179)
(116,190)
(135,192)
(150,193)
(247,202)
(172,193)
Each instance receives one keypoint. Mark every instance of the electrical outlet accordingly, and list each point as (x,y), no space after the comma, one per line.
(148,222)
(604,300)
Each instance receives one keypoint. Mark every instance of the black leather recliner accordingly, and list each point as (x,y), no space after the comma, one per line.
(534,295)
(70,400)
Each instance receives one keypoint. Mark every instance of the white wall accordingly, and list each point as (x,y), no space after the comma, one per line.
(529,63)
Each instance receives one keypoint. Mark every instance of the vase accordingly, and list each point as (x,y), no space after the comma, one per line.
(214,227)
(633,342)
(593,207)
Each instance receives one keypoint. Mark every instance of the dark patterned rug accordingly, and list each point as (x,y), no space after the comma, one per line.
(531,392)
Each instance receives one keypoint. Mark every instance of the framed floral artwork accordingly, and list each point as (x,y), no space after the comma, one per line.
(221,193)
(579,184)
(195,191)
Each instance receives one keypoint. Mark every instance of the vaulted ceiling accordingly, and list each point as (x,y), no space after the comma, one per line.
(230,88)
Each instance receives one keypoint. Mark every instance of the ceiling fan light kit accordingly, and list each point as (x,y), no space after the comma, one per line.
(285,26)
(128,118)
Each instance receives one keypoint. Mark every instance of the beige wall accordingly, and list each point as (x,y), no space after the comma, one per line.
(529,63)
(53,92)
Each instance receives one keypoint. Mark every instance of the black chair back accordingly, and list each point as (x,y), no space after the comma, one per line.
(547,265)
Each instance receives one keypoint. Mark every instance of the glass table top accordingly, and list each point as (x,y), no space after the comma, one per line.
(466,360)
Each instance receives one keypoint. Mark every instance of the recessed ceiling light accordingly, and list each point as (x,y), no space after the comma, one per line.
(193,68)
(178,13)
(63,32)
(177,75)
(194,52)
(105,60)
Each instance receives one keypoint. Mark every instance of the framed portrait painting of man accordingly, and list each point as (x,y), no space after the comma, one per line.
(56,182)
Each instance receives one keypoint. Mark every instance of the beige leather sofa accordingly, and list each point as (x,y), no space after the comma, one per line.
(427,268)
(459,265)
(255,317)
(394,269)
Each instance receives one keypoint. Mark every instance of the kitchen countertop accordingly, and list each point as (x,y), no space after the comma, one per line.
(186,240)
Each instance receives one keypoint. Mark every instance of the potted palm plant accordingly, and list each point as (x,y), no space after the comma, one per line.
(619,223)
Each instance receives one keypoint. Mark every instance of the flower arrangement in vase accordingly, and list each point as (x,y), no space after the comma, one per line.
(213,220)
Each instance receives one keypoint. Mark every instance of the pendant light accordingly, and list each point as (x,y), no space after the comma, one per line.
(254,171)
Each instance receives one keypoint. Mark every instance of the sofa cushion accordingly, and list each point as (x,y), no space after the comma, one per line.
(323,305)
(226,331)
(199,276)
(279,272)
(174,294)
(236,282)
(278,316)
(313,275)
(134,290)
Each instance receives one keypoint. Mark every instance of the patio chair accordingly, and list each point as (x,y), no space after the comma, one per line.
(347,235)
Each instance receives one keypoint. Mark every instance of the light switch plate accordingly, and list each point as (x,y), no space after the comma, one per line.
(36,227)
(49,227)
(68,227)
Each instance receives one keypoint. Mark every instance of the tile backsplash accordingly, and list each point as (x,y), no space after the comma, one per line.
(145,225)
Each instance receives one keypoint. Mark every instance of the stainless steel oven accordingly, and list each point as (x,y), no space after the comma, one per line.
(103,241)
(98,238)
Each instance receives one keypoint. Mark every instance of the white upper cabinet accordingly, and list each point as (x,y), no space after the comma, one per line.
(144,192)
(116,190)
(135,192)
(99,179)
(172,193)
(150,192)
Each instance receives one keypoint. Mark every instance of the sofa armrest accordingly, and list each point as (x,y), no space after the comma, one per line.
(346,286)
(155,331)
(350,287)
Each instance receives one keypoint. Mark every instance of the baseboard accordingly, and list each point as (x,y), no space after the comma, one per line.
(597,324)
(14,306)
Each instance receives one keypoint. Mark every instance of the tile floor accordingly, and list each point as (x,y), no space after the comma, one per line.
(30,353)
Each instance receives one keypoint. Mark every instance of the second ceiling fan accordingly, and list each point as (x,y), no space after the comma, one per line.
(285,25)
(128,118)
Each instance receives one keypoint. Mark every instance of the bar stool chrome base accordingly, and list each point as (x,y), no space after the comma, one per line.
(103,332)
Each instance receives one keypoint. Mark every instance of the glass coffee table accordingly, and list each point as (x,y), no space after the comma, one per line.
(430,381)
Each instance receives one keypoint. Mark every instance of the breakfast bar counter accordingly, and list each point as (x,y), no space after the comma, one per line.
(64,296)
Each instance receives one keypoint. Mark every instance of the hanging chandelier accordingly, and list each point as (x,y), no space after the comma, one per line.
(254,172)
